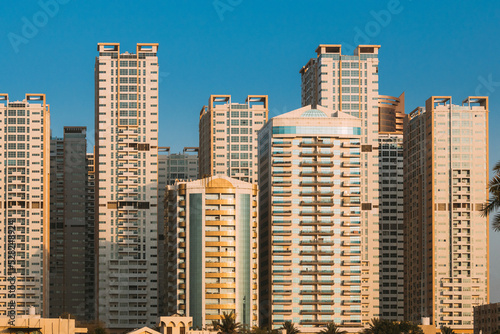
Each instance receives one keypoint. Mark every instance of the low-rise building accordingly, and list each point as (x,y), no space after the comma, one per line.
(486,318)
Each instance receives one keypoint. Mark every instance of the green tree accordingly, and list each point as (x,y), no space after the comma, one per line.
(408,327)
(381,326)
(290,328)
(494,202)
(446,330)
(227,324)
(263,330)
(332,328)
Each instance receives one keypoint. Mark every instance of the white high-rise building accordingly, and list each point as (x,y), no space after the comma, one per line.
(24,198)
(126,177)
(349,84)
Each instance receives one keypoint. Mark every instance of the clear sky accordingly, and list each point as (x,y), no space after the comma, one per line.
(245,47)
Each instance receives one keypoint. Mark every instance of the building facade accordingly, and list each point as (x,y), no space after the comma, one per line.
(487,318)
(318,254)
(25,212)
(171,167)
(126,178)
(211,250)
(69,229)
(390,162)
(446,236)
(228,136)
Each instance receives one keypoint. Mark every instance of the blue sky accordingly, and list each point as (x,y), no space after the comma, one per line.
(243,47)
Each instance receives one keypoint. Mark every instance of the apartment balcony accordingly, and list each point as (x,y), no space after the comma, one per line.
(316,323)
(282,173)
(317,173)
(316,282)
(317,163)
(281,242)
(282,183)
(316,213)
(282,213)
(317,272)
(351,213)
(282,282)
(350,223)
(282,163)
(351,203)
(283,232)
(351,273)
(351,174)
(281,143)
(351,194)
(316,262)
(281,311)
(351,263)
(351,253)
(318,203)
(315,223)
(316,183)
(351,283)
(351,243)
(315,302)
(316,154)
(316,193)
(351,292)
(327,312)
(316,233)
(350,155)
(282,193)
(282,272)
(351,184)
(319,241)
(282,203)
(282,223)
(282,154)
(281,301)
(282,292)
(282,252)
(282,262)
(316,143)
(350,145)
(351,233)
(351,302)
(317,252)
(350,164)
(317,292)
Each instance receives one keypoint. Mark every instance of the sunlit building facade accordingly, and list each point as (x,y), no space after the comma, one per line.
(126,178)
(25,205)
(211,250)
(446,234)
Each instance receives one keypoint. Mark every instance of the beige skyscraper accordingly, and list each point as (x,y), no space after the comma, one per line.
(126,178)
(25,211)
(318,254)
(446,236)
(211,250)
(228,136)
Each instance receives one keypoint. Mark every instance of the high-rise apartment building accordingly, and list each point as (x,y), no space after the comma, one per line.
(171,168)
(390,164)
(24,197)
(69,229)
(228,136)
(446,235)
(211,250)
(126,178)
(90,248)
(318,249)
(349,84)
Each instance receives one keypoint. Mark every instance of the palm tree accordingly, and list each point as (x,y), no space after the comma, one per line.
(263,330)
(290,328)
(408,327)
(446,330)
(227,324)
(332,328)
(494,202)
(381,326)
